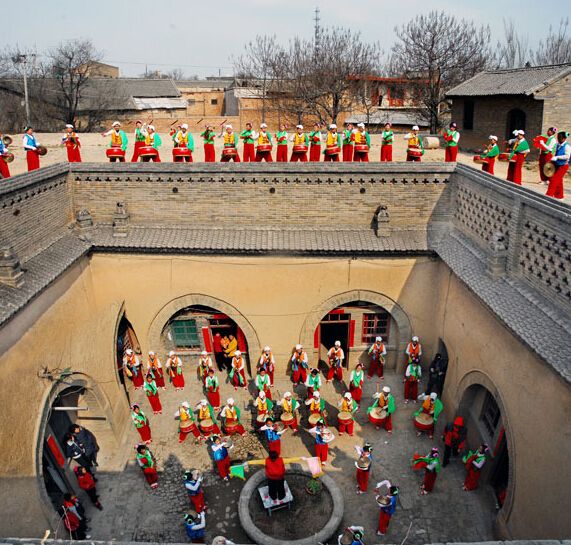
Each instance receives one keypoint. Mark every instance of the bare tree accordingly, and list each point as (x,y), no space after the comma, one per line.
(176,74)
(444,51)
(513,50)
(556,48)
(70,64)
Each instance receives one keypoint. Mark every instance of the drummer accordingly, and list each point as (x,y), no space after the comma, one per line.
(361,138)
(174,369)
(204,366)
(263,405)
(221,456)
(385,402)
(451,137)
(281,139)
(208,135)
(118,139)
(273,435)
(313,383)
(387,138)
(356,379)
(347,405)
(204,414)
(72,144)
(249,153)
(262,382)
(348,142)
(230,416)
(153,140)
(31,147)
(432,466)
(230,143)
(186,422)
(315,143)
(299,365)
(212,387)
(4,170)
(414,142)
(413,374)
(316,405)
(263,138)
(155,369)
(363,466)
(490,154)
(290,407)
(336,356)
(413,349)
(332,143)
(561,161)
(140,137)
(322,439)
(520,149)
(547,148)
(183,139)
(299,138)
(237,374)
(267,362)
(431,406)
(378,351)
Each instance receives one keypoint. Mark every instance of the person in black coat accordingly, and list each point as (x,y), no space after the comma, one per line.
(75,451)
(87,440)
(436,375)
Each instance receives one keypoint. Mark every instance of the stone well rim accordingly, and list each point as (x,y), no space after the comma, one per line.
(261,538)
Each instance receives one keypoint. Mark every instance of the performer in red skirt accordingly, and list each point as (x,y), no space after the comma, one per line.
(209,153)
(451,137)
(363,465)
(474,462)
(387,143)
(141,423)
(520,149)
(221,457)
(388,505)
(249,153)
(155,369)
(412,376)
(133,368)
(31,146)
(490,154)
(212,387)
(71,141)
(336,356)
(186,422)
(193,486)
(348,143)
(561,162)
(147,463)
(547,148)
(431,465)
(378,351)
(153,395)
(281,147)
(315,143)
(322,439)
(356,379)
(174,368)
(4,170)
(140,139)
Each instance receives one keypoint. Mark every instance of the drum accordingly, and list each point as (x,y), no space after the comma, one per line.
(207,426)
(538,140)
(327,435)
(479,159)
(300,149)
(115,153)
(147,151)
(549,169)
(362,148)
(314,419)
(333,150)
(431,142)
(231,426)
(383,501)
(377,416)
(344,417)
(424,422)
(42,150)
(414,152)
(7,140)
(8,157)
(287,418)
(181,152)
(363,463)
(264,147)
(185,425)
(230,152)
(261,419)
(504,157)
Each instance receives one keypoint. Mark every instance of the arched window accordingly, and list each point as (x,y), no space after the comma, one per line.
(516,120)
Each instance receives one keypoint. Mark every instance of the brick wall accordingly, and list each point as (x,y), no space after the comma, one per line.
(557,110)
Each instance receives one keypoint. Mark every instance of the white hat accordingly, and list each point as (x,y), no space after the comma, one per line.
(68,126)
(378,339)
(204,353)
(515,132)
(386,389)
(151,353)
(228,126)
(267,349)
(287,394)
(433,395)
(128,351)
(185,404)
(151,128)
(362,125)
(262,394)
(415,339)
(184,126)
(298,346)
(415,128)
(521,132)
(230,401)
(348,395)
(299,127)
(316,394)
(493,137)
(263,126)
(116,124)
(171,353)
(332,126)
(203,402)
(237,353)
(337,343)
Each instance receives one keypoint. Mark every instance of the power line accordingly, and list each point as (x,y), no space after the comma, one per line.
(169,64)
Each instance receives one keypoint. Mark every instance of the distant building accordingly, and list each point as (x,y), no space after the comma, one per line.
(500,101)
(101,70)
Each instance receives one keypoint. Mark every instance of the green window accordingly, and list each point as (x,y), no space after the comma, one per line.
(185,334)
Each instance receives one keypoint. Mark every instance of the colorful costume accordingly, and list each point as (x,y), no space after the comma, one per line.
(451,137)
(290,406)
(230,142)
(263,385)
(140,138)
(546,154)
(267,362)
(263,138)
(361,138)
(174,367)
(186,423)
(153,396)
(474,462)
(332,140)
(230,415)
(432,407)
(249,153)
(183,139)
(299,366)
(4,170)
(209,153)
(490,156)
(133,369)
(206,412)
(31,146)
(281,153)
(193,487)
(118,140)
(313,384)
(377,352)
(454,437)
(363,468)
(413,374)
(385,401)
(147,463)
(348,143)
(141,425)
(72,146)
(299,140)
(431,465)
(347,405)
(237,373)
(155,369)
(387,138)
(561,161)
(222,459)
(315,146)
(520,149)
(356,379)
(414,143)
(212,387)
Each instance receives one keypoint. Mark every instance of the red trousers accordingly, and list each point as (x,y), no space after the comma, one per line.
(145,433)
(228,158)
(138,146)
(336,372)
(209,153)
(249,153)
(178,381)
(413,159)
(223,467)
(321,451)
(386,153)
(384,519)
(198,502)
(299,376)
(328,158)
(360,157)
(488,166)
(264,156)
(214,398)
(356,392)
(238,429)
(362,479)
(159,378)
(292,424)
(514,168)
(281,154)
(347,427)
(472,479)
(347,153)
(33,160)
(388,423)
(376,366)
(315,153)
(411,389)
(450,154)
(543,159)
(183,159)
(154,158)
(296,156)
(239,379)
(151,476)
(138,379)
(155,403)
(4,170)
(275,446)
(182,434)
(429,480)
(73,154)
(271,373)
(555,188)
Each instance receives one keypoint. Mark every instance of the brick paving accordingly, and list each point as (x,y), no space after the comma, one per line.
(132,512)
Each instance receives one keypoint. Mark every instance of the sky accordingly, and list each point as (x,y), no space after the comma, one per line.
(201,37)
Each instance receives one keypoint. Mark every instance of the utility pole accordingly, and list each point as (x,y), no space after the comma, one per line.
(23,60)
(317,32)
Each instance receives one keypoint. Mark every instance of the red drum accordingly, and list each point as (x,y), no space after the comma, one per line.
(115,153)
(377,416)
(362,148)
(479,159)
(230,152)
(333,150)
(300,149)
(207,426)
(414,152)
(186,425)
(231,426)
(181,152)
(537,140)
(261,420)
(264,147)
(345,418)
(423,422)
(287,418)
(504,157)
(147,151)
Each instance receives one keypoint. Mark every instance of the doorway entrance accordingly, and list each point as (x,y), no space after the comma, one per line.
(334,327)
(126,339)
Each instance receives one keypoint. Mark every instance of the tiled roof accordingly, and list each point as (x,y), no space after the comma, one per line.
(516,81)
(396,117)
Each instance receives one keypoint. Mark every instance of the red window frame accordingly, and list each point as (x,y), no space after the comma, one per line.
(375,324)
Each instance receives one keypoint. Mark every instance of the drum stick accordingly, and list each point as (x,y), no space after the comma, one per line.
(175,121)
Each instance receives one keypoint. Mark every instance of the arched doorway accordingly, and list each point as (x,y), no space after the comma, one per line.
(126,338)
(516,120)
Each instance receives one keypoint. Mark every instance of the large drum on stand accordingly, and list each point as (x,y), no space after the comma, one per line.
(361,148)
(207,426)
(115,153)
(180,154)
(263,148)
(186,425)
(300,149)
(424,422)
(231,426)
(261,420)
(377,416)
(230,152)
(345,418)
(146,153)
(414,152)
(314,419)
(287,418)
(333,150)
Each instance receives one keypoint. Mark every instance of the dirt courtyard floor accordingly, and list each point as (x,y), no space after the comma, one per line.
(93,150)
(132,512)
